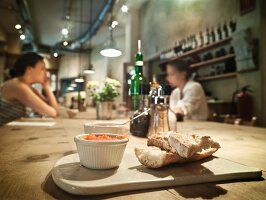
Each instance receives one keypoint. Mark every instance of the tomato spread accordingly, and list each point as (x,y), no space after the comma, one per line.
(103,137)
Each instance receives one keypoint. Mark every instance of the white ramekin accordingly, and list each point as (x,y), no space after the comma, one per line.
(97,154)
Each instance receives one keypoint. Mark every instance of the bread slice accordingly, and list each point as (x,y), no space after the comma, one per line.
(159,140)
(187,145)
(154,157)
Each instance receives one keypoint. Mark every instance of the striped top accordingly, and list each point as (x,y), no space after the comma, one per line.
(10,111)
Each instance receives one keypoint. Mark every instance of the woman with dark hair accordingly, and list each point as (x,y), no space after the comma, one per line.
(188,98)
(17,93)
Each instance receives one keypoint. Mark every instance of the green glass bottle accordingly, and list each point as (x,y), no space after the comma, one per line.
(137,79)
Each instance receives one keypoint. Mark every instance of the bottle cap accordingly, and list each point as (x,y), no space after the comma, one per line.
(144,89)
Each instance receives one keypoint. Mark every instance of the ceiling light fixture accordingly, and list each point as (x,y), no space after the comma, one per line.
(110,49)
(70,88)
(65,43)
(17,26)
(55,54)
(124,9)
(73,85)
(114,24)
(79,79)
(90,69)
(64,31)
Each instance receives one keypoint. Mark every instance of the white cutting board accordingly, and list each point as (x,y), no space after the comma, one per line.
(70,176)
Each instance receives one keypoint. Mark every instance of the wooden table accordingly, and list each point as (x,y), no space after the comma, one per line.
(29,153)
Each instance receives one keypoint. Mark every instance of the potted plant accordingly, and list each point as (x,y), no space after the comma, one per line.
(104,96)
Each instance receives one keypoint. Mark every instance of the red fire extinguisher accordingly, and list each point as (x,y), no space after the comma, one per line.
(244,103)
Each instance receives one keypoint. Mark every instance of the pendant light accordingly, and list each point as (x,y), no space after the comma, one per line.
(80,78)
(110,49)
(90,69)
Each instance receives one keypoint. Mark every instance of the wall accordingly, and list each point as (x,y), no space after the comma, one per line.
(176,19)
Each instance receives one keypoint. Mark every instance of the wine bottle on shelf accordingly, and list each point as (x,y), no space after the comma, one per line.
(213,39)
(137,79)
(208,36)
(219,32)
(225,31)
(232,25)
(201,39)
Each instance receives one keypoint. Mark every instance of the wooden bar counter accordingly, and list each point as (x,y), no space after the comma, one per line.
(28,154)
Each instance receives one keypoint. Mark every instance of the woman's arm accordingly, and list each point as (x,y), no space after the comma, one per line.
(191,101)
(50,98)
(25,95)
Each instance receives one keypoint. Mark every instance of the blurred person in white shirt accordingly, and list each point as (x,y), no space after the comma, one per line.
(188,97)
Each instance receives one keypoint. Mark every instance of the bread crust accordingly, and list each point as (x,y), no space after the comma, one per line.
(145,158)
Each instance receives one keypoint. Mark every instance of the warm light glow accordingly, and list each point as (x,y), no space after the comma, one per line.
(88,71)
(55,54)
(79,80)
(124,8)
(70,88)
(111,52)
(114,24)
(73,85)
(65,43)
(17,26)
(22,37)
(64,31)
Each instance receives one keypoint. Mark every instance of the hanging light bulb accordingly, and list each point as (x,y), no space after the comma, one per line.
(55,54)
(65,43)
(124,8)
(17,26)
(22,37)
(64,31)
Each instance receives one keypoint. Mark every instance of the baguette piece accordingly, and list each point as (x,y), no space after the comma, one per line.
(187,145)
(154,157)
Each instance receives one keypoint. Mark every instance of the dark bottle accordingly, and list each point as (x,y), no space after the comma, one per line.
(208,37)
(137,79)
(213,39)
(140,126)
(225,30)
(201,39)
(232,25)
(219,32)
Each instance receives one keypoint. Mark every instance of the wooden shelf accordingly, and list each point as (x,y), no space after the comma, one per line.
(198,50)
(222,76)
(212,61)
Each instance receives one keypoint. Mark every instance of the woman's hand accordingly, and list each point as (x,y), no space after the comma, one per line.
(46,82)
